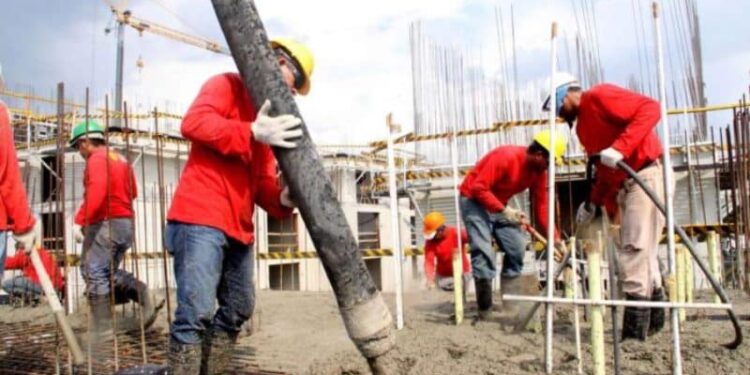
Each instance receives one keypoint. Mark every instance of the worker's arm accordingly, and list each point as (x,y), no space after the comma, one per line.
(541,203)
(16,262)
(481,187)
(133,183)
(12,191)
(95,189)
(429,262)
(208,122)
(268,191)
(639,113)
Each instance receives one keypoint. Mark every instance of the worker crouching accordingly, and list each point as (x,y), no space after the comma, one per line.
(441,241)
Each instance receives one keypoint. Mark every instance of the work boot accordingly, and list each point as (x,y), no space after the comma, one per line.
(658,314)
(128,288)
(183,358)
(218,350)
(510,285)
(101,316)
(635,320)
(484,297)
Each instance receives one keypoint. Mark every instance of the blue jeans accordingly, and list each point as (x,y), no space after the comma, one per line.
(209,267)
(482,230)
(104,247)
(23,286)
(3,246)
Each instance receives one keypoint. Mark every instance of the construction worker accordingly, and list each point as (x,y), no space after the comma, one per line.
(27,285)
(210,232)
(104,223)
(618,125)
(15,214)
(440,242)
(498,176)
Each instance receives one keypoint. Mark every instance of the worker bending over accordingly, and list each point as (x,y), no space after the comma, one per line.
(618,124)
(441,241)
(27,285)
(498,176)
(210,232)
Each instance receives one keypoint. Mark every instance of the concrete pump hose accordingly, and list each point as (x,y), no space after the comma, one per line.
(689,244)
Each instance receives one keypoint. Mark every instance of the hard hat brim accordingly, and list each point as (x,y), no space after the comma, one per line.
(429,235)
(92,135)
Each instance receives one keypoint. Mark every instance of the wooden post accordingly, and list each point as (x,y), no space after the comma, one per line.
(364,313)
(681,279)
(594,256)
(713,260)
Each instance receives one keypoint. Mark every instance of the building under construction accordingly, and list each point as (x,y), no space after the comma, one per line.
(456,107)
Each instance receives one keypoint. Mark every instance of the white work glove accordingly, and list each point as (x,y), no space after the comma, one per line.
(275,131)
(586,213)
(610,157)
(285,197)
(78,233)
(28,240)
(515,216)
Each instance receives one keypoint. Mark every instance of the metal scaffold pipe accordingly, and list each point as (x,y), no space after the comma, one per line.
(550,310)
(668,192)
(395,238)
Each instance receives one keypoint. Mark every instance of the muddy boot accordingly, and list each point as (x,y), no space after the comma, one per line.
(635,320)
(658,315)
(484,298)
(218,350)
(183,358)
(511,285)
(101,318)
(128,288)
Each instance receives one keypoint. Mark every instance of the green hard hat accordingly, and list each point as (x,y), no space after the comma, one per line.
(87,129)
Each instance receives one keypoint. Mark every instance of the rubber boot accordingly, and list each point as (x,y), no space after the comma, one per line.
(511,285)
(484,297)
(128,288)
(658,315)
(183,358)
(635,320)
(101,317)
(218,350)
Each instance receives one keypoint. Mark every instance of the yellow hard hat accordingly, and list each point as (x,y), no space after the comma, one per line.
(544,138)
(303,56)
(432,222)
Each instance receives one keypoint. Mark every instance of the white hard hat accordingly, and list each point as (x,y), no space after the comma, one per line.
(563,81)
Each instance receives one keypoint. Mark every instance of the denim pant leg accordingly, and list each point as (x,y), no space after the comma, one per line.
(22,286)
(512,243)
(236,293)
(478,227)
(198,253)
(104,246)
(3,246)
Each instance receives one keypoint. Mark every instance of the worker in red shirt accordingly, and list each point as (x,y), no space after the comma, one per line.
(498,176)
(618,124)
(15,214)
(27,285)
(210,232)
(104,223)
(440,242)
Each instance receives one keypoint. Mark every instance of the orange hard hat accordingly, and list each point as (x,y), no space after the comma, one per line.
(432,222)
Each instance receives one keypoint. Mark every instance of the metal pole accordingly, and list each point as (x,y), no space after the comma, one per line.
(576,320)
(550,205)
(458,286)
(119,68)
(668,193)
(393,195)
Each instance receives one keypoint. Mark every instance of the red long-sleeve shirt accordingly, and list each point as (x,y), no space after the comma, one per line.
(120,184)
(610,116)
(227,171)
(442,251)
(500,175)
(22,262)
(14,206)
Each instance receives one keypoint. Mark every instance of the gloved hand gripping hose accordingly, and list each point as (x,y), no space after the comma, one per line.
(689,244)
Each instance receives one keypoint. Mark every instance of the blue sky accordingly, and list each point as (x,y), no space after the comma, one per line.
(363,69)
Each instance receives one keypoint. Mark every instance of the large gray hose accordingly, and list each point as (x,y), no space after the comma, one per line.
(689,244)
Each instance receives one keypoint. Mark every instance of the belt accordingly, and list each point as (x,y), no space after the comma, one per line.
(651,164)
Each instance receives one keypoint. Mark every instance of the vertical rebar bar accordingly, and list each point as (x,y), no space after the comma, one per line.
(162,216)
